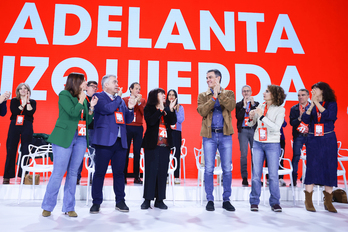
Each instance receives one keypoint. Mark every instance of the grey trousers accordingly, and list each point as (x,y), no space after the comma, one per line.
(246,137)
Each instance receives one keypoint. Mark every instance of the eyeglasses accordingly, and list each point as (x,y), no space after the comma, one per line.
(93,86)
(246,91)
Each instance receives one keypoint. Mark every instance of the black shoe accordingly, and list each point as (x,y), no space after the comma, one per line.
(138,181)
(6,181)
(95,208)
(121,206)
(125,180)
(160,205)
(228,206)
(210,206)
(254,208)
(294,184)
(78,182)
(245,182)
(276,208)
(146,204)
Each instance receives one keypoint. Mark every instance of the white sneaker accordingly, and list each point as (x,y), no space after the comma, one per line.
(282,183)
(176,181)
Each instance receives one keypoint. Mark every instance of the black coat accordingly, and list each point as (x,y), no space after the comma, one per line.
(240,112)
(152,118)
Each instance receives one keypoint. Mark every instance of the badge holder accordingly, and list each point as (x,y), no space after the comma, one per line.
(119,117)
(318,129)
(262,134)
(302,127)
(81,126)
(246,121)
(19,120)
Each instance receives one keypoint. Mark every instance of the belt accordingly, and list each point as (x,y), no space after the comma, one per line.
(312,133)
(217,130)
(247,127)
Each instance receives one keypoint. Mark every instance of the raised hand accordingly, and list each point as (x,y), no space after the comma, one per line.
(131,102)
(172,104)
(119,92)
(82,97)
(94,101)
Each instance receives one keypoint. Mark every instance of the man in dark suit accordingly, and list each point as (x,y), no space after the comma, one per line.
(299,130)
(245,133)
(110,139)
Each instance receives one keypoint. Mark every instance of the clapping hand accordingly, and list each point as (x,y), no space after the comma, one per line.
(131,102)
(172,104)
(94,101)
(119,92)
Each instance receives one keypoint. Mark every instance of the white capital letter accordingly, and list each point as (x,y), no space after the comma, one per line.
(207,22)
(59,37)
(275,42)
(241,73)
(184,37)
(40,65)
(134,40)
(291,74)
(251,20)
(8,63)
(104,26)
(174,81)
(28,11)
(58,78)
(152,75)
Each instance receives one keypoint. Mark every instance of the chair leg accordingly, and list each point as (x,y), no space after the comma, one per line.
(21,188)
(87,193)
(172,176)
(292,189)
(18,164)
(345,182)
(183,162)
(202,181)
(33,185)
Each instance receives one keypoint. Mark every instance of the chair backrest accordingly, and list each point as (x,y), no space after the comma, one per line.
(198,156)
(90,156)
(183,151)
(173,162)
(34,152)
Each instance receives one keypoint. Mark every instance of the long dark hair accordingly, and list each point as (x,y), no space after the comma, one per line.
(74,82)
(328,93)
(152,99)
(176,96)
(278,95)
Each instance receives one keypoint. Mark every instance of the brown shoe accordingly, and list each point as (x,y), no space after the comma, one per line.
(328,202)
(46,213)
(308,201)
(6,181)
(72,214)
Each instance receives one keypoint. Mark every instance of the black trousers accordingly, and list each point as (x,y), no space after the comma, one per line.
(156,170)
(135,133)
(177,144)
(16,133)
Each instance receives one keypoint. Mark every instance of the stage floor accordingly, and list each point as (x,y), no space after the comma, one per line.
(184,216)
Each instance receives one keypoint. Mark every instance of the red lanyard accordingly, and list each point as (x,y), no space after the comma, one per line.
(81,115)
(265,112)
(88,100)
(23,107)
(318,113)
(302,109)
(247,110)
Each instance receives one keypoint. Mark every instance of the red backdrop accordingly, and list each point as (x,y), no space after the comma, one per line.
(170,44)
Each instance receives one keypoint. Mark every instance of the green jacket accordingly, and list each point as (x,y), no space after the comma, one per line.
(69,116)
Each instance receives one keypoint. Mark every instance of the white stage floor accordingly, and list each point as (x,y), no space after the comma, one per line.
(184,216)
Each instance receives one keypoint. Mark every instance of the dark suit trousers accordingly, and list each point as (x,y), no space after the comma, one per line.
(25,134)
(156,170)
(135,133)
(103,155)
(177,144)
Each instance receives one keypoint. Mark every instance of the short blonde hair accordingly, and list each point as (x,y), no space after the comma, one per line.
(20,86)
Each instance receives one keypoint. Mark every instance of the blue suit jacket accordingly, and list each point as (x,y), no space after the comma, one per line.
(105,126)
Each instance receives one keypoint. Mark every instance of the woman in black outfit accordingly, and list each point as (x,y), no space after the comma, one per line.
(21,127)
(157,143)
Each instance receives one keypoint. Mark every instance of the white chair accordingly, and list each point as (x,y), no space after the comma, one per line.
(173,163)
(91,169)
(33,167)
(217,171)
(341,158)
(183,155)
(142,164)
(282,171)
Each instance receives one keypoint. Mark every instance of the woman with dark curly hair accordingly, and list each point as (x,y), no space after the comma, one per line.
(269,118)
(321,147)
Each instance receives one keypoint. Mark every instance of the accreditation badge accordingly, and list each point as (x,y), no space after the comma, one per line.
(119,117)
(263,134)
(19,120)
(302,128)
(81,128)
(162,131)
(246,120)
(135,117)
(318,129)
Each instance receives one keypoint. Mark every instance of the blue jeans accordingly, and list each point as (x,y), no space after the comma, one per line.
(246,138)
(65,159)
(210,145)
(271,151)
(296,148)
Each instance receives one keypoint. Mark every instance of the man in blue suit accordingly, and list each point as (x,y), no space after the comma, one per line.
(110,139)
